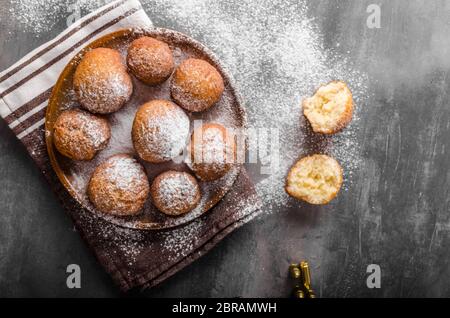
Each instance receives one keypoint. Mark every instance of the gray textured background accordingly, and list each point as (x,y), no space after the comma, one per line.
(395,214)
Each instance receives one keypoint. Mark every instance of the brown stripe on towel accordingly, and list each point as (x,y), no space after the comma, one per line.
(28,106)
(30,121)
(62,39)
(67,52)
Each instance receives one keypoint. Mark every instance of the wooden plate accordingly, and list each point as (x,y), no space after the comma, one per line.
(75,175)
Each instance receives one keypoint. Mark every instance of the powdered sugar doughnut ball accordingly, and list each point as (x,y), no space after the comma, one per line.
(175,193)
(150,60)
(101,81)
(79,135)
(212,151)
(160,131)
(196,85)
(119,186)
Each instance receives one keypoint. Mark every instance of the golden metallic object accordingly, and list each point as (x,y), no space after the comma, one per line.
(295,271)
(301,273)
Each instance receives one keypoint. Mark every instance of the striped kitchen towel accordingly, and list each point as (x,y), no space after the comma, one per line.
(133,258)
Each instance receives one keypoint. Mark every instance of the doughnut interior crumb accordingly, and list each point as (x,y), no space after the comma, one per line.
(330,109)
(315,179)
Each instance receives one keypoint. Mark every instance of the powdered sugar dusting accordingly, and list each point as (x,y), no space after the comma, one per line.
(130,244)
(41,16)
(178,242)
(122,171)
(93,128)
(276,54)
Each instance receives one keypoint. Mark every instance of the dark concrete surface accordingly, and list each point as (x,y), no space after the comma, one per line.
(396,212)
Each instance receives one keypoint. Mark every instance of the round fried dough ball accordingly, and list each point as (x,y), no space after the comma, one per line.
(196,85)
(175,193)
(160,131)
(150,60)
(212,151)
(119,186)
(101,82)
(79,135)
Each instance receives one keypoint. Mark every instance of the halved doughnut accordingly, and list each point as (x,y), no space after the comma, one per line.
(315,179)
(330,109)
